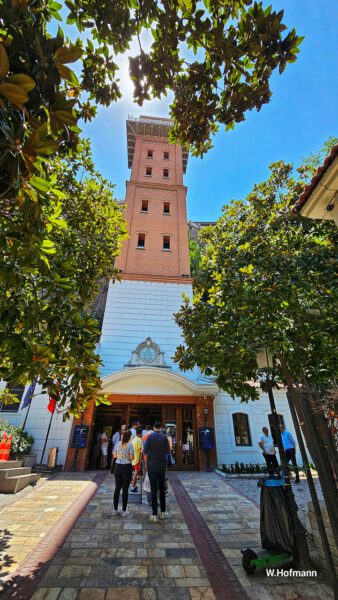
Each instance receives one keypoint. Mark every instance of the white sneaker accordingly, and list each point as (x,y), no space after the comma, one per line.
(125,513)
(116,513)
(153,519)
(164,516)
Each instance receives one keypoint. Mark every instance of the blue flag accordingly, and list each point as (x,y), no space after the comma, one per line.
(28,396)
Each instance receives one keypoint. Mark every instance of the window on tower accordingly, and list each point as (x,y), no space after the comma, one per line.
(144,206)
(150,154)
(241,429)
(141,240)
(166,155)
(166,173)
(166,208)
(148,171)
(166,242)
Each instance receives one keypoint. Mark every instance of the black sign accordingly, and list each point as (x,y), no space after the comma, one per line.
(272,426)
(206,438)
(80,436)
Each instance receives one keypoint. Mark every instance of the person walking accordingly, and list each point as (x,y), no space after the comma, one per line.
(155,455)
(115,440)
(104,450)
(289,445)
(124,455)
(267,446)
(137,444)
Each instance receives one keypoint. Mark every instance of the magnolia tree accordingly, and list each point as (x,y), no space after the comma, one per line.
(267,279)
(59,234)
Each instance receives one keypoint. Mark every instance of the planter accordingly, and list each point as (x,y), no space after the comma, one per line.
(29,460)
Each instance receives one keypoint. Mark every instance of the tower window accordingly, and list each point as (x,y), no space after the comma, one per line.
(166,208)
(148,171)
(166,242)
(150,154)
(141,240)
(165,172)
(166,155)
(144,206)
(241,429)
(16,390)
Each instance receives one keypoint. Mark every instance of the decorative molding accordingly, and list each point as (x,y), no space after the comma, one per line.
(147,354)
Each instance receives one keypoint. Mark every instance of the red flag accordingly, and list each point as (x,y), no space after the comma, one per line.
(51,405)
(54,397)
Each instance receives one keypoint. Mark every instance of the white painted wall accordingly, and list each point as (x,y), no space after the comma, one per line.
(225,406)
(136,310)
(37,424)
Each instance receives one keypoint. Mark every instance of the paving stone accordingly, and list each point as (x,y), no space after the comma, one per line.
(149,594)
(126,593)
(131,571)
(173,594)
(92,594)
(68,594)
(75,571)
(202,593)
(174,571)
(46,594)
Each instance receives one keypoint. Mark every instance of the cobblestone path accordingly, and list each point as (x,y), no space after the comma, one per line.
(193,556)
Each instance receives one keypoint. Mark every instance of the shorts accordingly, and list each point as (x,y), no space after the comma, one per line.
(104,450)
(136,468)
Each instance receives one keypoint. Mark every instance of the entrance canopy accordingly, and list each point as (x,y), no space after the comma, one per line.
(154,381)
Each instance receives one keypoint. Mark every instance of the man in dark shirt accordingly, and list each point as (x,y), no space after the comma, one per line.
(155,454)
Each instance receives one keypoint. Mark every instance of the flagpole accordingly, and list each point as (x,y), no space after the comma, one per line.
(27,399)
(44,448)
(23,428)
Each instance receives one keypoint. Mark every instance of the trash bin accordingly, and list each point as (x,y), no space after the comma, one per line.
(52,457)
(276,524)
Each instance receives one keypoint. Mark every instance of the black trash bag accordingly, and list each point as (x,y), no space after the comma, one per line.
(276,525)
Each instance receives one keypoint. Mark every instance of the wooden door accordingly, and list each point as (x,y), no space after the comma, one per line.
(180,423)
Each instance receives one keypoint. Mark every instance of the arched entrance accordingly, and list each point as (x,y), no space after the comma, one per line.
(148,394)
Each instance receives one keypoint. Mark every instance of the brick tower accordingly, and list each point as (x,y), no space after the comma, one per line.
(155,205)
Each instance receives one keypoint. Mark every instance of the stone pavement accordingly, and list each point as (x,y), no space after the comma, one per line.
(26,518)
(301,492)
(193,556)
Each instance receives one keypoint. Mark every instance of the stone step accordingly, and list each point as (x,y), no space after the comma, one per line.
(10,464)
(12,485)
(15,472)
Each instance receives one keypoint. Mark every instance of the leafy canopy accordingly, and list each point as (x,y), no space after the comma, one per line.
(267,279)
(51,275)
(59,236)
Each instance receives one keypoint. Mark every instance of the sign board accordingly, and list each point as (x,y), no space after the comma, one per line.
(206,438)
(272,426)
(80,436)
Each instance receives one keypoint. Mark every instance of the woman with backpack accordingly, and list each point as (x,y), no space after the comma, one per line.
(123,472)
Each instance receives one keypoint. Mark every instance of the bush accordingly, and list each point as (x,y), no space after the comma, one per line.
(26,441)
(241,468)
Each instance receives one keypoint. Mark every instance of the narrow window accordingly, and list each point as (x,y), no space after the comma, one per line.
(148,171)
(241,429)
(141,239)
(15,390)
(166,155)
(165,172)
(166,242)
(150,154)
(144,207)
(166,208)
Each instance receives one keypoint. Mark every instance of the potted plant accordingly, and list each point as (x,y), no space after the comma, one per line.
(22,443)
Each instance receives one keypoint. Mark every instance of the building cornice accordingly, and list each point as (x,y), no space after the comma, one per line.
(158,186)
(156,278)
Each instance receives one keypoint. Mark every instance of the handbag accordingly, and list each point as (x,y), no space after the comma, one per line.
(171,460)
(146,484)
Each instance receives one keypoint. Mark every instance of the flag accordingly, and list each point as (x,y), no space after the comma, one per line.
(54,397)
(51,405)
(28,396)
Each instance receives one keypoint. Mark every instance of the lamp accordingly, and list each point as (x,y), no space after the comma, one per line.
(264,358)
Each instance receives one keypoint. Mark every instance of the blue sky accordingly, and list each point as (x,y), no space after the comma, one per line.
(300,117)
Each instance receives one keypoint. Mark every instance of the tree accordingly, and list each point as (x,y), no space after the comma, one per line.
(237,44)
(46,297)
(267,279)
